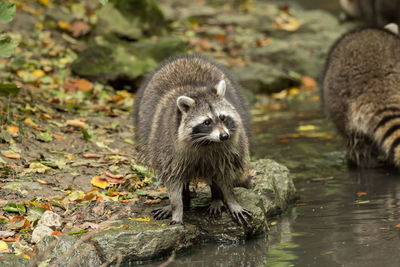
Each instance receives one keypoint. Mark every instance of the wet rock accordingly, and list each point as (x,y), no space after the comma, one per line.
(262,78)
(139,239)
(144,240)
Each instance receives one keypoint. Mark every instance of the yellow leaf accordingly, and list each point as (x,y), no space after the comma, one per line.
(273,223)
(293,91)
(38,73)
(63,25)
(99,182)
(25,256)
(3,246)
(303,128)
(75,195)
(140,219)
(398,225)
(45,2)
(287,22)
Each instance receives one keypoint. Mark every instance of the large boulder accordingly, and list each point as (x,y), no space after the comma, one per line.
(139,239)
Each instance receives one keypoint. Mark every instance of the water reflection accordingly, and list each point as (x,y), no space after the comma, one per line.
(356,226)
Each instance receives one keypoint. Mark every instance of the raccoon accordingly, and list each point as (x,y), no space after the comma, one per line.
(191,121)
(361,94)
(373,12)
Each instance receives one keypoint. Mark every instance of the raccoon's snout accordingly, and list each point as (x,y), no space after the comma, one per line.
(223,136)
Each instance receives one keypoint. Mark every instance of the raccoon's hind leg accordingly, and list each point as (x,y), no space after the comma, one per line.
(239,213)
(166,212)
(217,203)
(361,151)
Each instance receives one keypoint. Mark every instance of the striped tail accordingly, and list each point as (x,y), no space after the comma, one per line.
(387,133)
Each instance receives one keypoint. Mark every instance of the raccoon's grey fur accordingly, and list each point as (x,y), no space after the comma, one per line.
(191,121)
(373,12)
(361,94)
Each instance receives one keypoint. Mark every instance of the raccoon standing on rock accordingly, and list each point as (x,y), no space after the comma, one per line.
(361,94)
(191,122)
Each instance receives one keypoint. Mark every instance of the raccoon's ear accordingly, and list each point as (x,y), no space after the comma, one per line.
(221,88)
(184,103)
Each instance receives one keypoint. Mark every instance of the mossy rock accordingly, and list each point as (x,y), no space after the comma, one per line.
(116,58)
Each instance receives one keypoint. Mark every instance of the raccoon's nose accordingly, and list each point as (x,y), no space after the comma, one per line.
(223,136)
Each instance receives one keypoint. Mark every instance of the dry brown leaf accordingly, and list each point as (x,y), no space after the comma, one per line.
(79,28)
(152,201)
(114,176)
(77,123)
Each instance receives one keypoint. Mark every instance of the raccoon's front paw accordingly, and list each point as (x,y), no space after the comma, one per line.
(216,207)
(240,215)
(162,213)
(173,222)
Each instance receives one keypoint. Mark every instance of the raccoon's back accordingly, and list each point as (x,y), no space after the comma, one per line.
(361,64)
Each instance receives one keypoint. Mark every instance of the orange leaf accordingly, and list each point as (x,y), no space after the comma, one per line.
(13,130)
(398,225)
(221,37)
(47,206)
(91,156)
(362,193)
(56,232)
(58,137)
(309,83)
(115,181)
(12,155)
(125,226)
(84,85)
(79,28)
(10,239)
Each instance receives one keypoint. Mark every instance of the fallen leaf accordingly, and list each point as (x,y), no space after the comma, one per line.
(115,176)
(362,193)
(5,234)
(12,155)
(397,225)
(19,222)
(77,123)
(56,232)
(309,83)
(99,182)
(140,219)
(362,201)
(84,85)
(38,73)
(91,156)
(3,246)
(115,181)
(13,130)
(79,28)
(63,25)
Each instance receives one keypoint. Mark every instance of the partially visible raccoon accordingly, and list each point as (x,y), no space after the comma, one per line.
(361,94)
(373,12)
(191,121)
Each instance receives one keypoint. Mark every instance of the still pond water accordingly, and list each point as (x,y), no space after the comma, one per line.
(343,217)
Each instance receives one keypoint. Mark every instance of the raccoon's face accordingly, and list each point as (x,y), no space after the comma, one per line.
(208,118)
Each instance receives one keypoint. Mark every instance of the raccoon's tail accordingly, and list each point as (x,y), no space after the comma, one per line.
(386,133)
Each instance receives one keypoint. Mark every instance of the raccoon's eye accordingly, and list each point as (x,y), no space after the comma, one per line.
(207,122)
(222,117)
